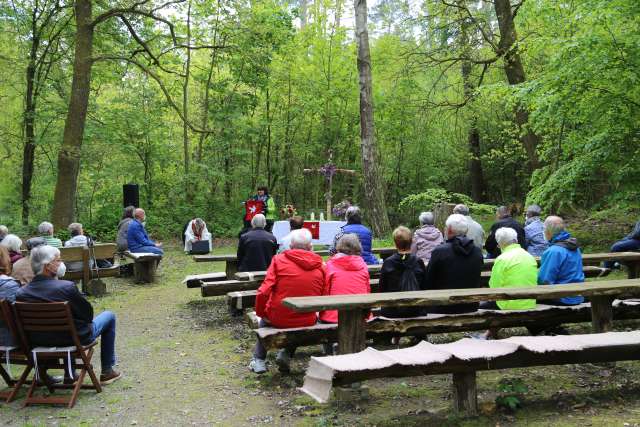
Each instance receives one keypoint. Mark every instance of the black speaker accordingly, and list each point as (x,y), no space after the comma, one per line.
(131,195)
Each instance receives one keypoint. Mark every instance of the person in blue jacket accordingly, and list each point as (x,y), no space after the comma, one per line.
(560,264)
(354,226)
(631,242)
(137,238)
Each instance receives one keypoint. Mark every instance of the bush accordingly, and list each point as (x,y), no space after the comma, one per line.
(426,201)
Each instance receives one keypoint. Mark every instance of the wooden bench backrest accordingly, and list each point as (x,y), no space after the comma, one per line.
(457,296)
(103,250)
(71,254)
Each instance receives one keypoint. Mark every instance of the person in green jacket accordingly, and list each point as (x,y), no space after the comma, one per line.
(270,210)
(514,268)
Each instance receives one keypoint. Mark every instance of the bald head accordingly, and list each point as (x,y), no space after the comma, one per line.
(139,214)
(552,226)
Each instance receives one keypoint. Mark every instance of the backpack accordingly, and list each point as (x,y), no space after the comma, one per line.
(408,281)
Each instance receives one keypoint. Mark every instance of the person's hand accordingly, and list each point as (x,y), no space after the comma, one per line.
(158,245)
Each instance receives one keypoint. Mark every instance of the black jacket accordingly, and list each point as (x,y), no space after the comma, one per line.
(455,264)
(45,289)
(492,246)
(255,250)
(390,276)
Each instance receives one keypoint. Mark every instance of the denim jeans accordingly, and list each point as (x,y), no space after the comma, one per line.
(260,352)
(152,249)
(104,325)
(623,245)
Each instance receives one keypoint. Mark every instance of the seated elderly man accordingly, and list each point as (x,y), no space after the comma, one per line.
(22,271)
(456,264)
(631,242)
(475,231)
(14,245)
(45,230)
(295,223)
(504,219)
(137,238)
(514,268)
(256,247)
(79,239)
(46,287)
(561,263)
(534,231)
(426,238)
(298,272)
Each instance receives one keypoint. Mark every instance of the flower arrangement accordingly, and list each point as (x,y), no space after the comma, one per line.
(288,211)
(340,209)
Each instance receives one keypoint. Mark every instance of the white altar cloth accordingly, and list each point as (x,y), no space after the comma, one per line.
(326,233)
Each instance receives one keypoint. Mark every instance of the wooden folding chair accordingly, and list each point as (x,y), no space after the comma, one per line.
(14,354)
(54,317)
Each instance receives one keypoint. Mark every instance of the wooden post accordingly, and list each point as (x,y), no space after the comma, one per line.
(351,331)
(231,268)
(633,269)
(465,394)
(86,269)
(601,313)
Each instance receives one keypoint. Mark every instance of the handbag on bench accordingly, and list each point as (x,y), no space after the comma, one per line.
(200,247)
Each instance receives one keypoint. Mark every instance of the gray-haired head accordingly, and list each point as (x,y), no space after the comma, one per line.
(426,218)
(506,236)
(533,211)
(353,215)
(456,225)
(258,221)
(41,256)
(503,212)
(45,228)
(128,212)
(301,239)
(12,242)
(552,226)
(349,244)
(75,229)
(3,231)
(461,209)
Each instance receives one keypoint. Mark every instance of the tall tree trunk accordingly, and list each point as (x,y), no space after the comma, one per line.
(515,75)
(185,108)
(373,187)
(473,139)
(63,212)
(28,153)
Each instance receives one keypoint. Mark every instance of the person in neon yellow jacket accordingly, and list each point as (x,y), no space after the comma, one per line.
(514,268)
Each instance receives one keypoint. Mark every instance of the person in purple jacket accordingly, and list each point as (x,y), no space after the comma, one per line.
(137,237)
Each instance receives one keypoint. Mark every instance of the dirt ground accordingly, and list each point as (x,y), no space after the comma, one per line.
(185,362)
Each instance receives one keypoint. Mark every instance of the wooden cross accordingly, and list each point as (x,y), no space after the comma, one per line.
(328,170)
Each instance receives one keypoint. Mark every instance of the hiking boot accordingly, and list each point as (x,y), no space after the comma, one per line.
(258,366)
(283,360)
(109,377)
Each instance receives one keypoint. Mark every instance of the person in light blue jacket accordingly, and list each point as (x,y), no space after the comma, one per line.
(534,232)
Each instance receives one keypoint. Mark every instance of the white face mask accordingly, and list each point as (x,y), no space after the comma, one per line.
(62,269)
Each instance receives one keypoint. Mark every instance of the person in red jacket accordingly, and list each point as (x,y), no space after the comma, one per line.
(297,272)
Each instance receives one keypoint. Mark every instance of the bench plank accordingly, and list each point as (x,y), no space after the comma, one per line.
(627,288)
(195,280)
(222,287)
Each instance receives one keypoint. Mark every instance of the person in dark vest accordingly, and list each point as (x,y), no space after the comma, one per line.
(256,247)
(354,225)
(504,219)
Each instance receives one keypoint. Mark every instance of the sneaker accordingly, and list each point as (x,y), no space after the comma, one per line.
(109,377)
(258,366)
(283,360)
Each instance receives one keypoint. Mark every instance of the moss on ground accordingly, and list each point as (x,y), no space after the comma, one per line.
(185,363)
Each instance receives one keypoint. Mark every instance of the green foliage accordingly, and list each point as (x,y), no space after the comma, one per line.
(511,392)
(428,199)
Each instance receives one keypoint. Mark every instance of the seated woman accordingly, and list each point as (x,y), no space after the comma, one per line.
(8,289)
(123,227)
(13,244)
(196,231)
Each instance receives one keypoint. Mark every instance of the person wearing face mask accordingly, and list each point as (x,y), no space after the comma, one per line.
(47,287)
(137,237)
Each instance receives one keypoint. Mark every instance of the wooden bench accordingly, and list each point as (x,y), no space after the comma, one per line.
(240,300)
(196,280)
(464,358)
(145,265)
(85,255)
(352,309)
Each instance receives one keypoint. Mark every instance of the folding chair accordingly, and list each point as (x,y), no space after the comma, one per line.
(54,317)
(12,355)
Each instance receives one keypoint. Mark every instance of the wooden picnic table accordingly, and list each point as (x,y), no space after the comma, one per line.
(353,308)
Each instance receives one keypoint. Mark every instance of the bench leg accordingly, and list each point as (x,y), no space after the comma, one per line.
(633,270)
(145,272)
(231,268)
(351,331)
(465,393)
(601,313)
